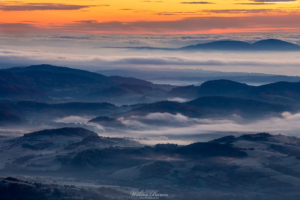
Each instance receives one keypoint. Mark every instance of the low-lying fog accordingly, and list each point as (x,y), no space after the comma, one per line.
(167,128)
(92,53)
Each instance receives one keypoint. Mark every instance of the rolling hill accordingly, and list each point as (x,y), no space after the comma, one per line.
(214,87)
(250,166)
(243,107)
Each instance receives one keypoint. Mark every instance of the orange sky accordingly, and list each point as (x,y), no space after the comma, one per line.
(148,16)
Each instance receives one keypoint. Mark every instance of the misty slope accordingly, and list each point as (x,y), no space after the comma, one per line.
(53,83)
(14,189)
(251,164)
(19,189)
(262,45)
(37,110)
(243,107)
(66,77)
(48,80)
(39,69)
(113,158)
(14,91)
(107,121)
(254,162)
(68,132)
(172,108)
(49,149)
(222,87)
(286,89)
(220,45)
(111,92)
(213,106)
(273,44)
(209,88)
(129,94)
(250,79)
(280,92)
(7,118)
(130,81)
(128,90)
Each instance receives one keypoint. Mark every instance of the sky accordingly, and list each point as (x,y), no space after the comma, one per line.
(149,16)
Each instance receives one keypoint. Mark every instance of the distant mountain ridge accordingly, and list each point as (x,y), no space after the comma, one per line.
(52,76)
(262,45)
(55,69)
(28,76)
(233,45)
(47,83)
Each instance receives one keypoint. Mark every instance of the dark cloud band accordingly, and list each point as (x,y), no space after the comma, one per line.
(196,24)
(42,6)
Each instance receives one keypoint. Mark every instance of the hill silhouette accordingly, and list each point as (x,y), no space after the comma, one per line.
(229,45)
(214,87)
(287,89)
(52,82)
(273,44)
(280,92)
(8,118)
(49,75)
(240,106)
(222,87)
(233,45)
(68,132)
(107,121)
(220,45)
(60,70)
(130,81)
(205,149)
